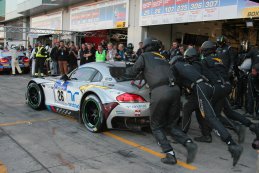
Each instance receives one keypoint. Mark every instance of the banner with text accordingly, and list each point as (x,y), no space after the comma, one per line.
(155,12)
(97,16)
(51,21)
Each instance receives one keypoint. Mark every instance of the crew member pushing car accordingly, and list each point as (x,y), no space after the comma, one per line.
(164,102)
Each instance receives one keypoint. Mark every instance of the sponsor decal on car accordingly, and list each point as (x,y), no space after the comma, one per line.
(137,113)
(140,106)
(87,87)
(120,112)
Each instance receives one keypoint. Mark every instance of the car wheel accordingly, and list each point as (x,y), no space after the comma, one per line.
(92,114)
(35,96)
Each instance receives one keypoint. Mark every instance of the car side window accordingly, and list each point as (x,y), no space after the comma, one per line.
(83,74)
(98,77)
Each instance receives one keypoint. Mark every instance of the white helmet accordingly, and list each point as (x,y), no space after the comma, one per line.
(246,65)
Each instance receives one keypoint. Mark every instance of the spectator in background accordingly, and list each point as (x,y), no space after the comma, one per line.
(140,49)
(63,58)
(120,56)
(174,51)
(181,49)
(78,55)
(72,58)
(100,54)
(111,52)
(104,44)
(90,55)
(23,50)
(190,46)
(47,62)
(29,51)
(54,58)
(82,54)
(115,47)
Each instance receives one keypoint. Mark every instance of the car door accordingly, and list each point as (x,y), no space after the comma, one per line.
(80,77)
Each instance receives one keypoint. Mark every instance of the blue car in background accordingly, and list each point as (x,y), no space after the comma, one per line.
(6,62)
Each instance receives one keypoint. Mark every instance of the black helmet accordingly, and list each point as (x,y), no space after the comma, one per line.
(130,46)
(221,40)
(151,44)
(208,47)
(190,53)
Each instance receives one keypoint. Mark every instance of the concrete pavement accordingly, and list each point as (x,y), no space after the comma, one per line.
(42,141)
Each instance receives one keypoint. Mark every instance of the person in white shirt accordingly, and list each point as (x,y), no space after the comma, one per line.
(111,53)
(15,61)
(33,62)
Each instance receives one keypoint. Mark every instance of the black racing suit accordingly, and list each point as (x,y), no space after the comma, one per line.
(187,76)
(222,88)
(192,105)
(254,55)
(227,55)
(165,100)
(252,95)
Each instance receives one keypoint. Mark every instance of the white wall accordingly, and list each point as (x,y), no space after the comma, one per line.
(11,9)
(161,32)
(135,32)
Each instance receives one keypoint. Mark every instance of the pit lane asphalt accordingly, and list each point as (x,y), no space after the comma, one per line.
(42,141)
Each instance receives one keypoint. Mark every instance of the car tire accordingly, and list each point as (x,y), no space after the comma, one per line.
(35,96)
(92,114)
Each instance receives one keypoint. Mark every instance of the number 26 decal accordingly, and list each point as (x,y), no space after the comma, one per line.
(60,95)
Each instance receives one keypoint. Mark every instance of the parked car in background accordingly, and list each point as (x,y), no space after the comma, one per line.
(6,62)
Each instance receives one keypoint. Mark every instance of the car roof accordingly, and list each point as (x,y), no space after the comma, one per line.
(103,67)
(105,64)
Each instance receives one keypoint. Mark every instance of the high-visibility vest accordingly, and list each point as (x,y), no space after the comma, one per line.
(38,53)
(100,57)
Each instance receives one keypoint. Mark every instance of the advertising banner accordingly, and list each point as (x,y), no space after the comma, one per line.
(98,16)
(51,21)
(155,12)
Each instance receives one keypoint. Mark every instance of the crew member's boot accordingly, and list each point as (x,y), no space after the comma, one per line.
(255,129)
(169,158)
(241,132)
(207,138)
(235,151)
(192,149)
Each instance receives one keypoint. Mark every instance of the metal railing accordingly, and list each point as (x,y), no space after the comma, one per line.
(13,29)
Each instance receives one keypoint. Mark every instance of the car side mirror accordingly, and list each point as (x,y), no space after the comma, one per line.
(64,77)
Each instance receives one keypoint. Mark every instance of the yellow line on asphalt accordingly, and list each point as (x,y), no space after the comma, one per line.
(26,122)
(3,168)
(157,154)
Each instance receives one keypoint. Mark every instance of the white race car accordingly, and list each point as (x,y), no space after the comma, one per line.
(93,96)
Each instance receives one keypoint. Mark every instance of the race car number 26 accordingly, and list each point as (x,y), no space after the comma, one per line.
(60,95)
